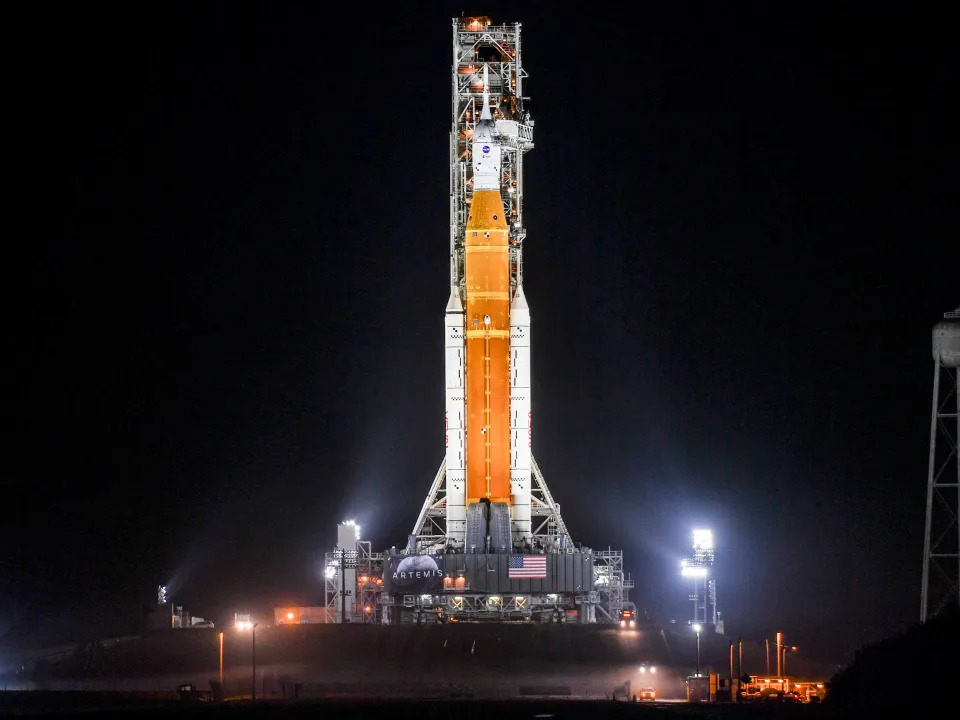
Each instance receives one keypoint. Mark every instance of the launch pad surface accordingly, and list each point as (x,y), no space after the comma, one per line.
(75,705)
(479,660)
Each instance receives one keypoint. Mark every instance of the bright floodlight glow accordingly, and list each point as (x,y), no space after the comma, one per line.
(653,669)
(688,571)
(330,572)
(697,628)
(702,539)
(289,616)
(643,669)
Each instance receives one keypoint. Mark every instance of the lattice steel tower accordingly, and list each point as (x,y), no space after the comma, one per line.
(941,543)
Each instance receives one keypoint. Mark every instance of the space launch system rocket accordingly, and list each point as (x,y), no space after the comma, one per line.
(487,359)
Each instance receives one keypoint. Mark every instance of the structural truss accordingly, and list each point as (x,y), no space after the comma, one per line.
(941,546)
(549,530)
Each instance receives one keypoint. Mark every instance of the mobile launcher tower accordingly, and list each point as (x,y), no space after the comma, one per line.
(489,543)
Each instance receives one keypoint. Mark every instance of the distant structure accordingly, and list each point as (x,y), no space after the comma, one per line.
(353,579)
(700,569)
(940,585)
(166,616)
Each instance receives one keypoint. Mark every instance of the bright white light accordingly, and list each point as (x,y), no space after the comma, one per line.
(356,528)
(632,623)
(697,628)
(643,668)
(426,597)
(331,572)
(702,539)
(653,669)
(689,571)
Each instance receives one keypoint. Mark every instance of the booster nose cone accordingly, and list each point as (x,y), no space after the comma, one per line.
(519,301)
(453,304)
(519,310)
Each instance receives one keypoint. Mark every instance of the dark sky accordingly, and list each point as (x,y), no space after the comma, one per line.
(227,268)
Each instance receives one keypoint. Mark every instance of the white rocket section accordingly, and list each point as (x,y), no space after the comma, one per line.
(521,418)
(455,419)
(486,149)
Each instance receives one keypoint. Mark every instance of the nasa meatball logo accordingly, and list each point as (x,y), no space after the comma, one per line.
(486,149)
(418,571)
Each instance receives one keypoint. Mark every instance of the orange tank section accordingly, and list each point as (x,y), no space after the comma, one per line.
(487,316)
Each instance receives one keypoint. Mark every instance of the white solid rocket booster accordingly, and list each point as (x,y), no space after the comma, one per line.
(521,418)
(455,418)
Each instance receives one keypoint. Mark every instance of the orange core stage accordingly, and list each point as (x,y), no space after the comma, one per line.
(487,316)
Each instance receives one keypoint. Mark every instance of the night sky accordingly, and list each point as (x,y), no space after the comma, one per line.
(227,268)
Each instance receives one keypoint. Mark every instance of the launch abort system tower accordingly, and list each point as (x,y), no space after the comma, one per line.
(489,542)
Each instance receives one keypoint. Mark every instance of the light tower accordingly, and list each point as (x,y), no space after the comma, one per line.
(700,568)
(941,543)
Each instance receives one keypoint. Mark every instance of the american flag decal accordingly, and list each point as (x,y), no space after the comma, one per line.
(527,566)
